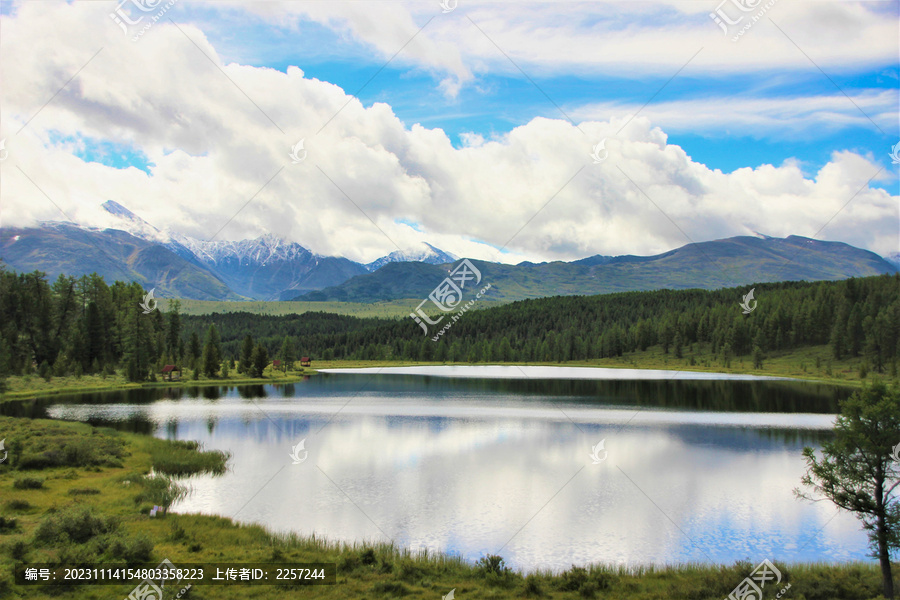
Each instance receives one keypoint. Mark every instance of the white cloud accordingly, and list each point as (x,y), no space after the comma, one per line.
(612,37)
(775,118)
(214,150)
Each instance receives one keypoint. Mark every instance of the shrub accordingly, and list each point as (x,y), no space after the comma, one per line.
(73,524)
(573,579)
(83,491)
(132,550)
(7,524)
(74,451)
(18,550)
(408,570)
(28,483)
(492,565)
(533,586)
(18,504)
(159,490)
(368,557)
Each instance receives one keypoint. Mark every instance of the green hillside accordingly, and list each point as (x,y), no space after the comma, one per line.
(706,265)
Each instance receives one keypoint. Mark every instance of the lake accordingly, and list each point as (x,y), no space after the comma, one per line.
(473,461)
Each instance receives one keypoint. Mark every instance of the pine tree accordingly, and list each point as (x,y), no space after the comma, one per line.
(212,353)
(288,353)
(173,332)
(259,360)
(757,357)
(246,361)
(194,350)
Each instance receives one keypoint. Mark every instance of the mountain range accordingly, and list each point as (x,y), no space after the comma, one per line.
(265,268)
(269,268)
(728,262)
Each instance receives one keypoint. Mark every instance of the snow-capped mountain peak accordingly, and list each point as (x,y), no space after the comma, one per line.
(133,224)
(425,253)
(259,251)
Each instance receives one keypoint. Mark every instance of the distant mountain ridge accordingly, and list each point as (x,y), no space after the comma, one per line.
(265,268)
(728,262)
(269,268)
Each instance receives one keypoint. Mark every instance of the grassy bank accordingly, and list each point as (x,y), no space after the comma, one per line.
(74,493)
(813,363)
(32,386)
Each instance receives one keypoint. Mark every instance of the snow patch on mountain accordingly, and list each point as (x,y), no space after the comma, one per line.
(136,226)
(260,251)
(425,253)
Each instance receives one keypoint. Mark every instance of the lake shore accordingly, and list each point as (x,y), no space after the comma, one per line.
(106,482)
(794,366)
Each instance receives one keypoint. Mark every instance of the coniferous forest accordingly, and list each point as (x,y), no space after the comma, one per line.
(75,326)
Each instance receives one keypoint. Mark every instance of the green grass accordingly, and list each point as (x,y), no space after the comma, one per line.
(394,308)
(59,522)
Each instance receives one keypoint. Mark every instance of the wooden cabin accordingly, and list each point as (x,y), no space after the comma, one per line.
(171,373)
(305,361)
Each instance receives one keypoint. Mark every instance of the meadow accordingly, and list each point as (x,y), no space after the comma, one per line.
(73,493)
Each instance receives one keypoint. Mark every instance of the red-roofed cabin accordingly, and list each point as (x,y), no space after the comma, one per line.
(171,373)
(276,363)
(305,361)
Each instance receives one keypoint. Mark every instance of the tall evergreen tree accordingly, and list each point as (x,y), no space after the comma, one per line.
(259,360)
(212,353)
(173,332)
(288,352)
(245,363)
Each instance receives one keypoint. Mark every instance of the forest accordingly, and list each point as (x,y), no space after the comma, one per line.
(74,326)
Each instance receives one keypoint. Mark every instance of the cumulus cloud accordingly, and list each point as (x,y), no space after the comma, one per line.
(612,37)
(217,138)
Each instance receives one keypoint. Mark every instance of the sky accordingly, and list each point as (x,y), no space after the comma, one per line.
(502,131)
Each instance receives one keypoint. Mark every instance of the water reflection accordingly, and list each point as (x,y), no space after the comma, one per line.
(462,465)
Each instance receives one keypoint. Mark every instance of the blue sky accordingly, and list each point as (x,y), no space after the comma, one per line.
(452,144)
(498,102)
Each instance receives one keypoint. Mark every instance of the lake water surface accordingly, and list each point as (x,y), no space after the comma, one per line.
(473,463)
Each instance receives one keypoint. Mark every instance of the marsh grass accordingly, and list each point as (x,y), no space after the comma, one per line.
(54,525)
(183,458)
